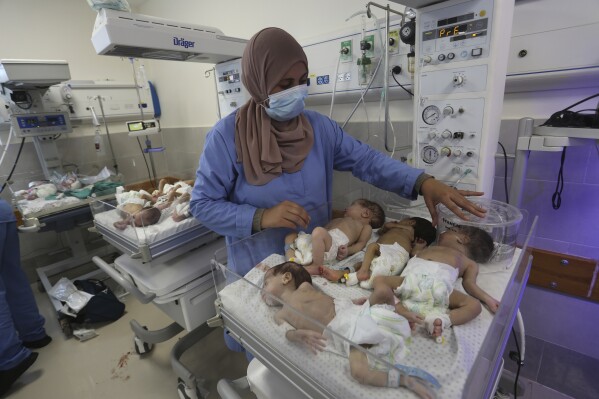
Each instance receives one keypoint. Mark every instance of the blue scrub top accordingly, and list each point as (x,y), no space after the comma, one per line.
(225,202)
(6,213)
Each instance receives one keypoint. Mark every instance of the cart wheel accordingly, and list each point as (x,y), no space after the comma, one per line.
(65,325)
(187,393)
(142,347)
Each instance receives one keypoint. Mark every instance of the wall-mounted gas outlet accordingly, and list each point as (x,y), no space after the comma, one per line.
(394,42)
(346,51)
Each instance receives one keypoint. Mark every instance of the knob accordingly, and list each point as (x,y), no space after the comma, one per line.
(457,153)
(441,57)
(458,135)
(237,90)
(446,134)
(461,110)
(448,111)
(457,170)
(458,80)
(432,134)
(427,59)
(470,154)
(450,56)
(445,151)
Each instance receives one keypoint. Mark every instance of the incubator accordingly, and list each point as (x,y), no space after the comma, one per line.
(502,222)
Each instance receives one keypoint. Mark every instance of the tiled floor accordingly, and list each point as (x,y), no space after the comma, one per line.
(552,368)
(108,367)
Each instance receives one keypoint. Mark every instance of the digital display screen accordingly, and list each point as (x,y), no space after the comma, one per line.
(28,122)
(466,30)
(452,30)
(135,126)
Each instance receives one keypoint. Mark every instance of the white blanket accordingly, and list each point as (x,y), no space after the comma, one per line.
(450,362)
(165,227)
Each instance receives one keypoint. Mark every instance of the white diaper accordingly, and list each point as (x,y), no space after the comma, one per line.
(391,262)
(183,209)
(426,286)
(131,197)
(376,325)
(303,247)
(338,238)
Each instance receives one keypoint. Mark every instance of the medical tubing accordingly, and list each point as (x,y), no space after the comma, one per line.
(10,133)
(13,166)
(115,164)
(363,94)
(336,78)
(152,175)
(522,334)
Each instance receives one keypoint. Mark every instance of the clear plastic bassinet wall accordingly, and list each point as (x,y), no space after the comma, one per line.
(502,221)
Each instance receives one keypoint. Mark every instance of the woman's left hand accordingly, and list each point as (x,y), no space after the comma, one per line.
(435,192)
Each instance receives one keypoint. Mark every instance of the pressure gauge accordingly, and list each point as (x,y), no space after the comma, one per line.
(431,115)
(407,33)
(430,154)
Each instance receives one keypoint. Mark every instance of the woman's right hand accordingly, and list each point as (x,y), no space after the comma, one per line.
(285,214)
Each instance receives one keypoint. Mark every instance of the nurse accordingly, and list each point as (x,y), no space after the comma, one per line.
(270,163)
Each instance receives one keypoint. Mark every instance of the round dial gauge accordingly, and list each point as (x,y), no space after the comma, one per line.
(430,154)
(431,115)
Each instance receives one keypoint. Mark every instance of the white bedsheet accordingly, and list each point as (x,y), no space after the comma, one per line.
(165,227)
(450,362)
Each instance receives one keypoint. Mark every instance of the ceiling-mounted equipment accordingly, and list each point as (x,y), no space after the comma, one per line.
(125,34)
(32,74)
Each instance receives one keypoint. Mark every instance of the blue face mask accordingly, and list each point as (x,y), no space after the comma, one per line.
(287,104)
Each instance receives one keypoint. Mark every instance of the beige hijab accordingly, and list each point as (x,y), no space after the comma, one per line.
(267,147)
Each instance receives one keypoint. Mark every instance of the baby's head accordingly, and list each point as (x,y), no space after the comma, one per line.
(423,229)
(282,277)
(367,211)
(146,217)
(473,242)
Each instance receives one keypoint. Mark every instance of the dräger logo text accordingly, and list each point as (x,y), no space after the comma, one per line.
(180,41)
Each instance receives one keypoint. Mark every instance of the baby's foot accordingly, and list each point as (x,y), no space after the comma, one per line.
(313,270)
(414,385)
(437,328)
(363,276)
(332,275)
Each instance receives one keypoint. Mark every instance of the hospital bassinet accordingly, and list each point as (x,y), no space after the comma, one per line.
(467,364)
(149,242)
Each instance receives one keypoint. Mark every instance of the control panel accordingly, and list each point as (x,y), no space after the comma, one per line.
(230,91)
(461,51)
(41,124)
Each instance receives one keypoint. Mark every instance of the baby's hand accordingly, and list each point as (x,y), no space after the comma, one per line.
(342,252)
(492,304)
(315,342)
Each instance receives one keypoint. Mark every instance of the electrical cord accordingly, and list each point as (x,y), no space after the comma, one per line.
(143,155)
(30,102)
(400,85)
(566,118)
(507,197)
(13,166)
(518,362)
(556,198)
